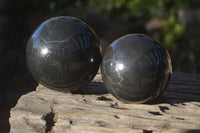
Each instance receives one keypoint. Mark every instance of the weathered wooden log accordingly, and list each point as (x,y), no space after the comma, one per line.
(95,110)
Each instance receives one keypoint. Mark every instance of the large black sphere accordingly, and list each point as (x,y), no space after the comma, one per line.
(63,54)
(135,68)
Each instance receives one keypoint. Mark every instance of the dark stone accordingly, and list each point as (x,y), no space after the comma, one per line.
(135,68)
(63,54)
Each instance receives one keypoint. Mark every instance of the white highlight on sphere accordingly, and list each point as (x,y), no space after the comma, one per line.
(119,66)
(44,51)
(91,60)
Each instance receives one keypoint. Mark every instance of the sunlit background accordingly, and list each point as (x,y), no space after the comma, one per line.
(174,23)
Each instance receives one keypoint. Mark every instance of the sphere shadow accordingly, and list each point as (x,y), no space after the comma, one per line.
(182,88)
(93,88)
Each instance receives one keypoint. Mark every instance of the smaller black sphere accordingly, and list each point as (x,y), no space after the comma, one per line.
(63,54)
(136,68)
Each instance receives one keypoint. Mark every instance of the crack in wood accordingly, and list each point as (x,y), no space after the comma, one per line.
(71,122)
(163,108)
(103,98)
(49,118)
(155,113)
(180,118)
(115,106)
(147,131)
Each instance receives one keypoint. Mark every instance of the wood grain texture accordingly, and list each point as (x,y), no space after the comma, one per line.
(94,110)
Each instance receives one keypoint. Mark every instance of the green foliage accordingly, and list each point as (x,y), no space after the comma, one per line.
(173,31)
(145,10)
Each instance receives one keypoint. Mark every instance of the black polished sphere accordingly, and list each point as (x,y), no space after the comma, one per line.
(135,68)
(63,54)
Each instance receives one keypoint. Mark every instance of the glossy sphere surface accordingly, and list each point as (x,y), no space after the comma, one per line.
(63,54)
(135,68)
